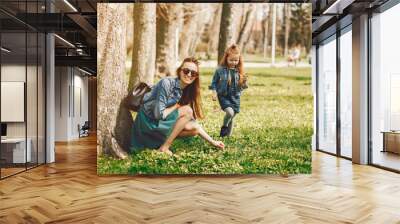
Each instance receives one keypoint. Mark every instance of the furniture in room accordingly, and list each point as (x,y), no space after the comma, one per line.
(84,129)
(391,141)
(13,150)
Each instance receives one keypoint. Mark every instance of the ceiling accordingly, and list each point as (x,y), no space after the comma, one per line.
(74,22)
(330,15)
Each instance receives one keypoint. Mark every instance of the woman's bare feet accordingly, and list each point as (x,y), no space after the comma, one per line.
(218,144)
(166,150)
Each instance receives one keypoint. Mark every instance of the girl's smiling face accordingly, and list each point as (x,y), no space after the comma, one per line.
(233,60)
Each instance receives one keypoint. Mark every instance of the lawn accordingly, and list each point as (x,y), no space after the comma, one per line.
(272,133)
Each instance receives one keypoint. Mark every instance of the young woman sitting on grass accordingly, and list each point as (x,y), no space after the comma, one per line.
(170,110)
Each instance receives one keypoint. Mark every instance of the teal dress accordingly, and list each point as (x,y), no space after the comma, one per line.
(150,133)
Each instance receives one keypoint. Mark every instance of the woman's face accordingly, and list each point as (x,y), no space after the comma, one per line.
(233,60)
(188,73)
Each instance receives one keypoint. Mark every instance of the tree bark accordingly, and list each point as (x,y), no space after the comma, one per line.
(129,29)
(265,27)
(245,30)
(192,27)
(212,44)
(143,59)
(273,37)
(200,25)
(144,55)
(227,30)
(287,27)
(168,17)
(111,80)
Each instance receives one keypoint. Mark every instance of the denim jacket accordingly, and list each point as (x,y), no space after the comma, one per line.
(164,94)
(220,82)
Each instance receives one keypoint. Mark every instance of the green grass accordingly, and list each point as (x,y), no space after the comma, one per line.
(272,133)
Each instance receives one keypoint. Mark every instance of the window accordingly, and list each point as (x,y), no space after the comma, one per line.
(346,92)
(327,96)
(385,88)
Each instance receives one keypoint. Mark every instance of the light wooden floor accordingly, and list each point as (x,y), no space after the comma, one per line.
(387,159)
(69,191)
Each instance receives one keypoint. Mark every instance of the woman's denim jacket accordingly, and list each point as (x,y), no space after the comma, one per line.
(220,82)
(164,94)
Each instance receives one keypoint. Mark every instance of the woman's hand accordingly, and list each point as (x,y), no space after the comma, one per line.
(168,110)
(218,144)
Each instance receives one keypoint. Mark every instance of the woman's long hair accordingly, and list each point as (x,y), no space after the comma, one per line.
(234,50)
(191,94)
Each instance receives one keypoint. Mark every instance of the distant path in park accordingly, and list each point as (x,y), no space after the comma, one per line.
(213,63)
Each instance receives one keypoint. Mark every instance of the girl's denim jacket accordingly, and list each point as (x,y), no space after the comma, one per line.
(164,94)
(220,82)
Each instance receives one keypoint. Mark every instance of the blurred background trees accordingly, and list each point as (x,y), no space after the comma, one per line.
(205,30)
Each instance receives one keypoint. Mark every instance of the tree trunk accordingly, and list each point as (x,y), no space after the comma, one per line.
(265,27)
(287,27)
(188,27)
(111,80)
(144,55)
(212,44)
(168,16)
(248,36)
(200,25)
(226,31)
(273,37)
(129,29)
(193,25)
(245,30)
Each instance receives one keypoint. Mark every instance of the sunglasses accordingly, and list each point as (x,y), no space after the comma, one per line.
(193,74)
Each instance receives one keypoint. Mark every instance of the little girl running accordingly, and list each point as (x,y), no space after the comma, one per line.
(227,84)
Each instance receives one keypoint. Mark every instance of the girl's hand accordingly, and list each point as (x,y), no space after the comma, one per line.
(214,96)
(218,144)
(215,108)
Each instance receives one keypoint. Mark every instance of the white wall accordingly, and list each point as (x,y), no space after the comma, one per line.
(70,84)
(62,81)
(34,125)
(12,73)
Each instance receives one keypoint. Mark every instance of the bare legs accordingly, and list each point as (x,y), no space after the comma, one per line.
(185,115)
(192,128)
(185,126)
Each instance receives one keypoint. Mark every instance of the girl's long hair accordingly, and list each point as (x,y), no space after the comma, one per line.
(191,94)
(234,50)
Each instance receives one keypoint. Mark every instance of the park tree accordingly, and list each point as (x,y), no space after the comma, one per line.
(300,25)
(227,29)
(265,27)
(129,29)
(213,29)
(193,26)
(287,15)
(273,35)
(144,48)
(111,70)
(169,17)
(245,29)
(114,119)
